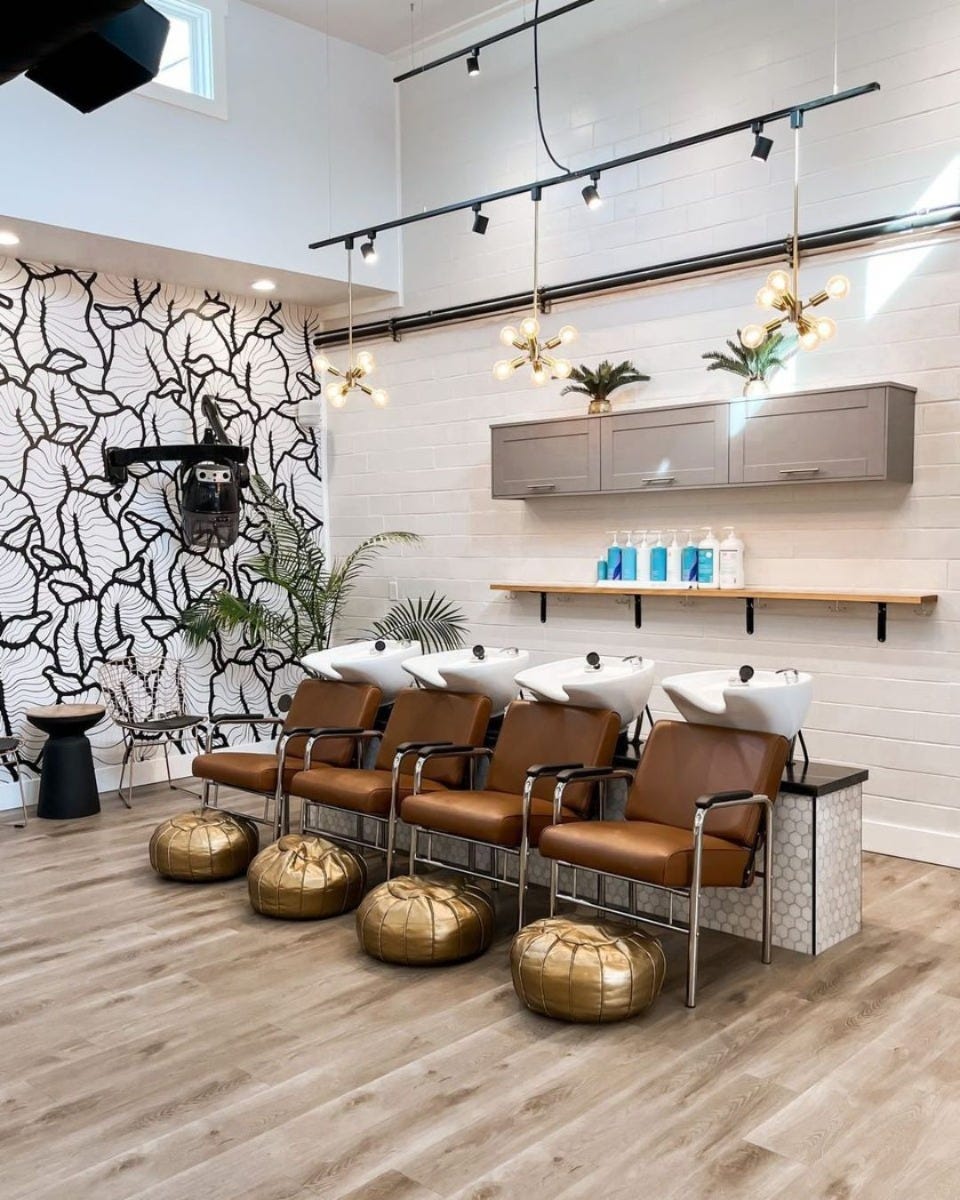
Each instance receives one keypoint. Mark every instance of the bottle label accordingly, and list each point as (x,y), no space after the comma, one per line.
(705,565)
(658,564)
(601,569)
(688,564)
(614,563)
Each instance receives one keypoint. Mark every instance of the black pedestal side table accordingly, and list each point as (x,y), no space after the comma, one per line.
(68,785)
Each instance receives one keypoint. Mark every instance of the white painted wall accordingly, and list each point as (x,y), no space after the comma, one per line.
(308,146)
(612,83)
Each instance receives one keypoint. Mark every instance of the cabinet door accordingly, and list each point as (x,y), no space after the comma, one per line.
(664,448)
(551,458)
(789,439)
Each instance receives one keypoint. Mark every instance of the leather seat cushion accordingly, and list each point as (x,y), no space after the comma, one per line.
(493,817)
(646,851)
(359,791)
(248,771)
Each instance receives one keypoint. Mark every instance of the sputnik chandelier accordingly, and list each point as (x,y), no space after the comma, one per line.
(358,368)
(543,365)
(781,292)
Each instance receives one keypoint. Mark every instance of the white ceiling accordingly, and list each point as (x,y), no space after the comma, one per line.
(385,25)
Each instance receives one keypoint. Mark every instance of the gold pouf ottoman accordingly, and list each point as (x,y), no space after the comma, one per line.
(423,922)
(199,847)
(304,878)
(580,971)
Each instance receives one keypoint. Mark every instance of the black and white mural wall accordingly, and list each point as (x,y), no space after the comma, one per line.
(90,573)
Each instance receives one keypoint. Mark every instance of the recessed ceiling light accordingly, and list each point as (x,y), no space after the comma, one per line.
(263,285)
(8,238)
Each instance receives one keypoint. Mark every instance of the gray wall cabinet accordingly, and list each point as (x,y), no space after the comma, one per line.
(864,432)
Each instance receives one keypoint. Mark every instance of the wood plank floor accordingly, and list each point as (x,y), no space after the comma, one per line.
(160,1041)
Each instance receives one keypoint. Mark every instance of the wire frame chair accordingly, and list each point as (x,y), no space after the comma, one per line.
(10,758)
(146,698)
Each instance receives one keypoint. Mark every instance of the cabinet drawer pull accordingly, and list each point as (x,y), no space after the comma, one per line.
(799,470)
(542,487)
(660,479)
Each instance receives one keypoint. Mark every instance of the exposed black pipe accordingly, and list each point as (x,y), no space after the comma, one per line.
(823,239)
(490,41)
(695,139)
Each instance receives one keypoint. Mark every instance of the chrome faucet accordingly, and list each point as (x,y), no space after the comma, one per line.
(479,653)
(593,660)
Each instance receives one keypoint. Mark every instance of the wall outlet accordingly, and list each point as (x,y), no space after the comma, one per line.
(393,590)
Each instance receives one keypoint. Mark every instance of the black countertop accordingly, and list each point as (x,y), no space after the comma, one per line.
(815,779)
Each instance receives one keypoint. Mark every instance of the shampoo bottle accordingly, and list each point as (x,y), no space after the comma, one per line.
(673,562)
(628,560)
(731,560)
(658,561)
(614,557)
(643,557)
(707,561)
(688,562)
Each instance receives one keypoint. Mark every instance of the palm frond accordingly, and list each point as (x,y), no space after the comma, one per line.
(759,363)
(598,383)
(223,612)
(434,622)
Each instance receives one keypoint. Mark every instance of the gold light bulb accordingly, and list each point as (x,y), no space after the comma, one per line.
(366,362)
(809,339)
(508,335)
(838,286)
(826,327)
(503,369)
(336,394)
(540,375)
(321,363)
(562,368)
(380,398)
(767,296)
(530,327)
(753,336)
(567,334)
(779,280)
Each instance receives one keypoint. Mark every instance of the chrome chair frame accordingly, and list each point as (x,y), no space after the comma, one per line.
(403,751)
(281,800)
(10,758)
(704,806)
(500,854)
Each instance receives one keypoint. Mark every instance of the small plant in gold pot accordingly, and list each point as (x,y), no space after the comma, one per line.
(756,367)
(600,383)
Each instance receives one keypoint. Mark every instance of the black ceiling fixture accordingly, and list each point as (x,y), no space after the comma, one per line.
(480,222)
(97,53)
(473,62)
(761,145)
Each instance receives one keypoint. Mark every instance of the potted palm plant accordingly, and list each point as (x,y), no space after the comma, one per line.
(296,596)
(755,366)
(600,383)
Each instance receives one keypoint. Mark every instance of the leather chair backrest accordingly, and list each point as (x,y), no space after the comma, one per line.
(424,715)
(323,703)
(682,762)
(535,733)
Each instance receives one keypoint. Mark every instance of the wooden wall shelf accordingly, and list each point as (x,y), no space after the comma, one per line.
(923,601)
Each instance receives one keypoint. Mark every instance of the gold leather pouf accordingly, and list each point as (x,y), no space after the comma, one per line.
(198,847)
(304,878)
(592,973)
(423,922)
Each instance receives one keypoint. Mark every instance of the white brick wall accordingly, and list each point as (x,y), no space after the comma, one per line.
(611,84)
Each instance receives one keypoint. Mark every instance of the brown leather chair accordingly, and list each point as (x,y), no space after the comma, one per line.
(418,719)
(318,705)
(700,804)
(514,806)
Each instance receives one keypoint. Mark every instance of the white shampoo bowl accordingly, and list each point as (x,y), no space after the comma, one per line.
(378,662)
(771,701)
(464,671)
(622,684)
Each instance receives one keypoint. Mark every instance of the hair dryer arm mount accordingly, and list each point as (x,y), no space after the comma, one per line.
(118,459)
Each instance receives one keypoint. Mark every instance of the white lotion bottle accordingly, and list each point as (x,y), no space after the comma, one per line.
(731,574)
(707,554)
(643,556)
(673,562)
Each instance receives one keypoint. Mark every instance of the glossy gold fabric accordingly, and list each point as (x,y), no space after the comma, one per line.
(586,972)
(425,921)
(304,878)
(197,847)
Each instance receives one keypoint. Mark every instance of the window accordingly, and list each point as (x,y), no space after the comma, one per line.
(192,67)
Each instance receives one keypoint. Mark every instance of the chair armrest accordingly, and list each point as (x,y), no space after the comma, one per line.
(334,731)
(729,799)
(542,770)
(444,750)
(218,720)
(586,775)
(409,747)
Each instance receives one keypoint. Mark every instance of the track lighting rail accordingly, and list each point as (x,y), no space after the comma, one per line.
(473,50)
(597,169)
(773,251)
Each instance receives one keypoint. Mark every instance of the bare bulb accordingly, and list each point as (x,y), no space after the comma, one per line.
(508,335)
(380,398)
(567,334)
(529,327)
(562,368)
(336,394)
(321,363)
(826,327)
(809,339)
(779,280)
(767,296)
(540,375)
(366,362)
(753,336)
(502,370)
(838,286)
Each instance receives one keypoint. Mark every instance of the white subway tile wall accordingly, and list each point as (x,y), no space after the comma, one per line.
(616,77)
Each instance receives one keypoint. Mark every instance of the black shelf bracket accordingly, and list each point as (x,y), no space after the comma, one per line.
(881,622)
(749,607)
(638,611)
(543,608)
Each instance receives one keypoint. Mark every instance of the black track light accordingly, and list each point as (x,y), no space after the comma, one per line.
(591,193)
(369,250)
(761,145)
(473,61)
(480,222)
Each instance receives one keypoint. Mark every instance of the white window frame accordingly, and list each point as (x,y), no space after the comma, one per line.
(213,70)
